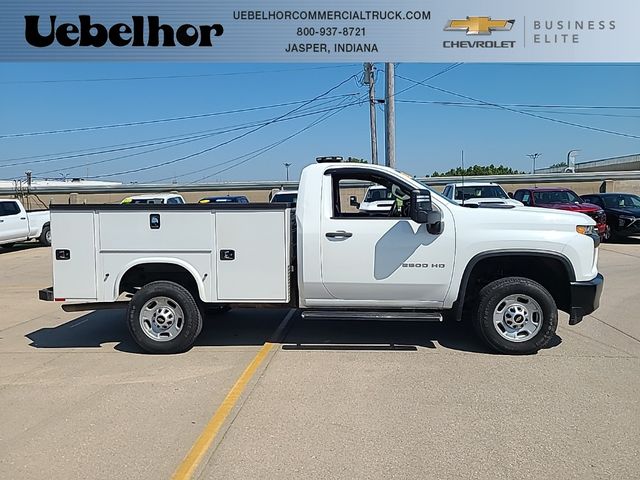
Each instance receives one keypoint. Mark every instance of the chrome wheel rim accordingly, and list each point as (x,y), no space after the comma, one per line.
(161,319)
(47,236)
(517,318)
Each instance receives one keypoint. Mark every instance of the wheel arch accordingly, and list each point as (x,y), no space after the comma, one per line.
(502,256)
(161,268)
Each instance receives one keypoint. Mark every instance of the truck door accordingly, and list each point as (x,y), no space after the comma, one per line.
(382,257)
(13,222)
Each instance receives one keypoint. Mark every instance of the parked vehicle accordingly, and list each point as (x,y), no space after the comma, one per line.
(562,199)
(18,225)
(225,199)
(477,193)
(155,199)
(425,257)
(376,199)
(285,196)
(622,211)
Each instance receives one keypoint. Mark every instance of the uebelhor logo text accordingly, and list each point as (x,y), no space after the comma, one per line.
(120,34)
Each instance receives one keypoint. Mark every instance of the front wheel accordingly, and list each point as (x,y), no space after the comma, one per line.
(163,317)
(516,316)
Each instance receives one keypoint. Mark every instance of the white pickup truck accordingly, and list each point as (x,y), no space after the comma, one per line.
(506,270)
(18,225)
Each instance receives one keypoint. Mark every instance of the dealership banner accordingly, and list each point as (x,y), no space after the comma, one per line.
(321,30)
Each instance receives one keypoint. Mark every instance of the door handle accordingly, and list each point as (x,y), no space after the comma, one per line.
(338,234)
(23,218)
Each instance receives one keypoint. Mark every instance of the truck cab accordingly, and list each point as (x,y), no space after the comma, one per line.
(19,225)
(505,270)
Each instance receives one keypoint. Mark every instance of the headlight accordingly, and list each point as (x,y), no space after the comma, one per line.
(586,229)
(625,220)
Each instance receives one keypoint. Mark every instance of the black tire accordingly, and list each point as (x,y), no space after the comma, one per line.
(494,293)
(45,236)
(7,245)
(191,320)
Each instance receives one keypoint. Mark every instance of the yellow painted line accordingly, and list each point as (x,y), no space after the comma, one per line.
(204,441)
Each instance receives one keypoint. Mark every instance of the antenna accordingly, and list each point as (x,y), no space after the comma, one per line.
(462,162)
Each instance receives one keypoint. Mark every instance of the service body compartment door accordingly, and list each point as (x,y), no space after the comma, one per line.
(74,255)
(253,256)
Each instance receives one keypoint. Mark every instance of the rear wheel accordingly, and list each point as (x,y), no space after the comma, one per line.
(45,237)
(516,315)
(163,317)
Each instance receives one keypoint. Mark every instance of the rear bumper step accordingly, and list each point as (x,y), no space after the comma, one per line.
(415,316)
(46,294)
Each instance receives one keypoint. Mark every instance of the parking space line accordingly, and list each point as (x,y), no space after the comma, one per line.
(205,440)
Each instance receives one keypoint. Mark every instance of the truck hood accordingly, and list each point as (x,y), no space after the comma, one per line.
(532,217)
(496,200)
(572,207)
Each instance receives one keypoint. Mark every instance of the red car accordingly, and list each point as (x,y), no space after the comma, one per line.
(562,199)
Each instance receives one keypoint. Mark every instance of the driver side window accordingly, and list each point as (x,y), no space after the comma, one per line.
(351,198)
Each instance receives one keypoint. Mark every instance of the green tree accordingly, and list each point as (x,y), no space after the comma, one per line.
(557,165)
(477,170)
(356,160)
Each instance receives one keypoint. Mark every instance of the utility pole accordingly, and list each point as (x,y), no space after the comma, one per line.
(533,157)
(287,165)
(369,79)
(390,116)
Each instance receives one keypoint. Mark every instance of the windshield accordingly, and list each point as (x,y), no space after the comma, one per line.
(562,196)
(285,198)
(622,201)
(376,194)
(487,191)
(147,201)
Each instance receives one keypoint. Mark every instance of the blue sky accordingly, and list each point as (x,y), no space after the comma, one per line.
(39,97)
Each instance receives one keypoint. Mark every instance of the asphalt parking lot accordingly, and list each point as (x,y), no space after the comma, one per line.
(330,400)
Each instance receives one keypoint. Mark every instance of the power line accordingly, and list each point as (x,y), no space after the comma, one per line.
(226,142)
(149,122)
(192,139)
(255,153)
(280,142)
(193,136)
(431,77)
(526,105)
(172,77)
(521,112)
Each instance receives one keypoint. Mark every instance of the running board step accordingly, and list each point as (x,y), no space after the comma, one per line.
(373,315)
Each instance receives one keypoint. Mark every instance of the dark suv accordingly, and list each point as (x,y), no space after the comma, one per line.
(622,210)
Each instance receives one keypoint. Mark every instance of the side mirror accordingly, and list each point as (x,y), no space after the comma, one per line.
(435,225)
(510,194)
(353,201)
(420,206)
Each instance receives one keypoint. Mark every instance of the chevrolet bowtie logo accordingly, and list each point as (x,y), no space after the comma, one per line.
(479,25)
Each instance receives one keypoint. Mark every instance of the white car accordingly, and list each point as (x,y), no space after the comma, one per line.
(155,199)
(426,257)
(377,199)
(18,225)
(285,196)
(478,193)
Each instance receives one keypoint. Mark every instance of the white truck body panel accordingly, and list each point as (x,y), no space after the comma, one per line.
(114,241)
(76,278)
(258,273)
(18,225)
